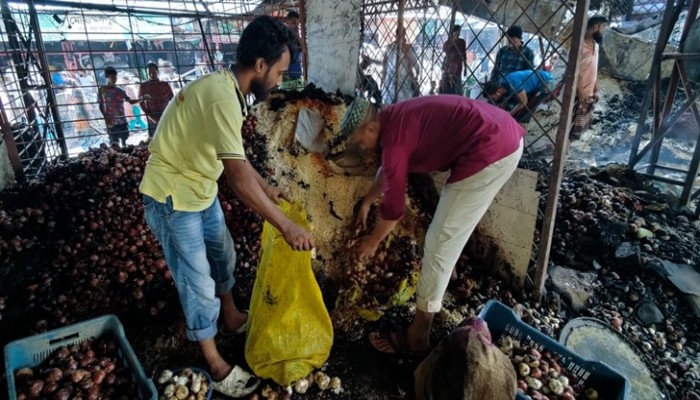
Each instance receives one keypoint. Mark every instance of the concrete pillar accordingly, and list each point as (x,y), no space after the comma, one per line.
(7,174)
(333,41)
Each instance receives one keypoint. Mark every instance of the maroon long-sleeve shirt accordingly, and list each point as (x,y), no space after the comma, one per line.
(440,133)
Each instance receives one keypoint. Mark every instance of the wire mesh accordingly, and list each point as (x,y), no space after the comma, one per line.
(414,56)
(24,95)
(185,42)
(416,48)
(628,10)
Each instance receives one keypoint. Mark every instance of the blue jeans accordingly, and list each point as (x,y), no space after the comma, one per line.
(199,251)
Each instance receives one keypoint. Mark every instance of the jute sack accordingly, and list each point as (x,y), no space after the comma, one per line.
(466,366)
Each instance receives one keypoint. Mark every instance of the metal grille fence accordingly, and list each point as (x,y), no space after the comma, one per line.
(407,52)
(50,97)
(410,48)
(628,10)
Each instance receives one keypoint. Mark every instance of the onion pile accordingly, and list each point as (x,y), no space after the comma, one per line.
(380,278)
(89,371)
(596,217)
(77,244)
(540,374)
(244,225)
(83,230)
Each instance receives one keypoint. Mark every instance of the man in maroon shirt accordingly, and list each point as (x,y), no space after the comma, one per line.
(479,144)
(160,93)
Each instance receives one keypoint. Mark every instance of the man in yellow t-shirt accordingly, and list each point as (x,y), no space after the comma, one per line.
(198,138)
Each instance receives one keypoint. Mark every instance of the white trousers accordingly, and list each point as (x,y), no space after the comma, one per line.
(461,207)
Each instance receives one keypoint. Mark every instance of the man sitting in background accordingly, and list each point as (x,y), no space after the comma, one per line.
(516,90)
(160,93)
(514,57)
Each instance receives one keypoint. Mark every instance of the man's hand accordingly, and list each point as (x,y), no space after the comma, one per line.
(276,194)
(297,238)
(361,217)
(366,248)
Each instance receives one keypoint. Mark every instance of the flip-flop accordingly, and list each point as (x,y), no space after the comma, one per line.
(238,383)
(398,343)
(241,329)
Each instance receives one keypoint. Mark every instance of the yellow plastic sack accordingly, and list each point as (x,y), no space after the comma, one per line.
(289,330)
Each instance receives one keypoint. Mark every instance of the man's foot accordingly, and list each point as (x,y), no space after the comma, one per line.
(236,324)
(396,343)
(220,372)
(237,383)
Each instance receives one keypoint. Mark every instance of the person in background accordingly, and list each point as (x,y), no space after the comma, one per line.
(587,89)
(516,90)
(87,83)
(479,144)
(81,125)
(408,70)
(133,111)
(294,80)
(56,77)
(367,85)
(514,57)
(160,93)
(198,139)
(111,100)
(455,62)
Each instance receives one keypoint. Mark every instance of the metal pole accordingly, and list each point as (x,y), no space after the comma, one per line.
(656,127)
(304,50)
(175,51)
(111,8)
(58,125)
(206,44)
(562,146)
(133,48)
(400,32)
(11,145)
(666,26)
(21,64)
(695,161)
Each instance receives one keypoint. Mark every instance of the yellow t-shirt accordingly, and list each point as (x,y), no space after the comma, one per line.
(199,127)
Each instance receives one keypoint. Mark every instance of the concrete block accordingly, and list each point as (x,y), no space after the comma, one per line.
(692,45)
(629,57)
(544,16)
(503,238)
(333,42)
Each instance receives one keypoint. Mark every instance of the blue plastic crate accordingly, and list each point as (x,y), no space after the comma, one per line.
(502,320)
(32,351)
